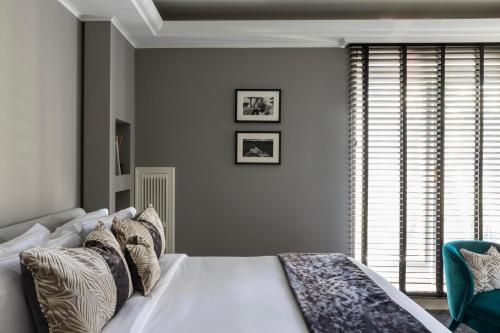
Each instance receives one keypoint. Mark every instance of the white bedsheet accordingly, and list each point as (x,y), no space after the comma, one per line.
(229,294)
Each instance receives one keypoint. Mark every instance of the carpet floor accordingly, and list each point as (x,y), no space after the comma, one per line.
(444,318)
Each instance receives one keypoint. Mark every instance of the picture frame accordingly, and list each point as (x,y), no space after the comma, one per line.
(258,105)
(258,147)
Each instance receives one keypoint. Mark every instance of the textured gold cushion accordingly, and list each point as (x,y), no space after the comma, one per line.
(125,232)
(138,245)
(143,264)
(150,218)
(102,240)
(76,289)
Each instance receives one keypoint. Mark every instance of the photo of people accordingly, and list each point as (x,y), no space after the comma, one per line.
(258,105)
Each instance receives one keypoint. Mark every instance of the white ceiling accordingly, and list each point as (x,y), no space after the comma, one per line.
(141,23)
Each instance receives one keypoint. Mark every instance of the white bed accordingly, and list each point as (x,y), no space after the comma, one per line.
(229,294)
(194,294)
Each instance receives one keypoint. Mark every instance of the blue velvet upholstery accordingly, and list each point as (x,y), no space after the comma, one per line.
(480,312)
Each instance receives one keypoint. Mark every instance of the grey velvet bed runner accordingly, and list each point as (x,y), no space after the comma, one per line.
(335,295)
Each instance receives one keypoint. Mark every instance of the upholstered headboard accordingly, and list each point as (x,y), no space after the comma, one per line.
(51,222)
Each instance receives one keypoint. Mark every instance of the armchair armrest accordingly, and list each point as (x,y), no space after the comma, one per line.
(459,280)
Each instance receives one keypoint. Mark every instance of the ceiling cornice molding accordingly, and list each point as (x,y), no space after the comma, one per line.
(114,20)
(140,22)
(149,13)
(69,6)
(88,18)
(245,44)
(123,31)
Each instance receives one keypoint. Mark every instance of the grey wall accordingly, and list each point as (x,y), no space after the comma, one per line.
(109,94)
(97,118)
(185,119)
(122,104)
(39,109)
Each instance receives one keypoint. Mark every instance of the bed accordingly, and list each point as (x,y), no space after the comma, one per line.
(229,294)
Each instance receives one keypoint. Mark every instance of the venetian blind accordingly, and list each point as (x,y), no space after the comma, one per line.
(491,144)
(424,156)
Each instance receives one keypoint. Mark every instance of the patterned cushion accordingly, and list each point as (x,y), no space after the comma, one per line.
(485,269)
(125,232)
(103,241)
(143,264)
(76,289)
(150,219)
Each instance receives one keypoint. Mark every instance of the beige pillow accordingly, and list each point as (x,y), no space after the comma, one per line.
(144,265)
(151,220)
(126,230)
(485,269)
(102,240)
(139,248)
(76,289)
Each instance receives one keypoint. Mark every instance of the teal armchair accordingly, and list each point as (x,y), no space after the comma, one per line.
(480,312)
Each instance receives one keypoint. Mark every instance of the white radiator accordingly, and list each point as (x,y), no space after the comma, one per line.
(156,186)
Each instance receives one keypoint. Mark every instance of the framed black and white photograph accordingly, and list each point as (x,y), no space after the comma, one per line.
(258,105)
(258,147)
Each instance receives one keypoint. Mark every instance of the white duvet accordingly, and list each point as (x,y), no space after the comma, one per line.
(229,294)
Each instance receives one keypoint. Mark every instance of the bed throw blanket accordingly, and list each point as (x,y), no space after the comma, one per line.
(335,295)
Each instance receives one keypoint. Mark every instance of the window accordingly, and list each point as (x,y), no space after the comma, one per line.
(424,156)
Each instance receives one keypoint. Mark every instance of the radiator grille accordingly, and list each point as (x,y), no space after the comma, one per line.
(156,186)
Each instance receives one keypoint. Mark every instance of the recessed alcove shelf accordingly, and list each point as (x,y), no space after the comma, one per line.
(123,133)
(122,200)
(123,182)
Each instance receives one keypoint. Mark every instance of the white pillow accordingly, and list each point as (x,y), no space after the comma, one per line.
(15,315)
(66,240)
(75,225)
(30,239)
(87,227)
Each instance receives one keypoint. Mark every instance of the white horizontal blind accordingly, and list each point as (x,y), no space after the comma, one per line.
(422,145)
(459,142)
(491,144)
(424,156)
(384,96)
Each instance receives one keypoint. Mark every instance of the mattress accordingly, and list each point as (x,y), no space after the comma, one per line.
(229,294)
